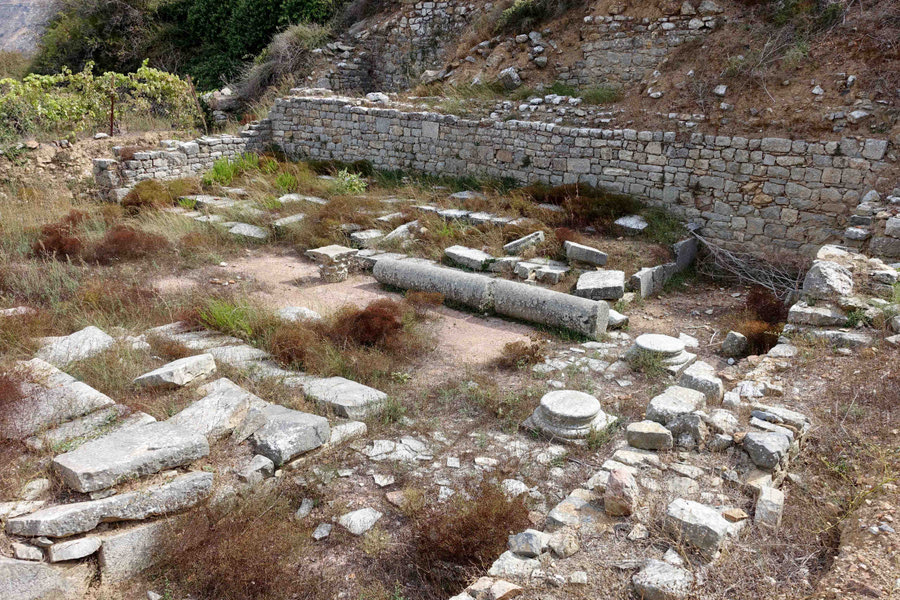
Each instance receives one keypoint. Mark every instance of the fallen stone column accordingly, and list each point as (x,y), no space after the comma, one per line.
(468,289)
(547,307)
(506,298)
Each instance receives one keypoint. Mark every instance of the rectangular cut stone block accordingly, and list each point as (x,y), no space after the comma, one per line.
(699,525)
(469,257)
(601,285)
(586,254)
(221,409)
(26,580)
(80,345)
(134,452)
(347,398)
(80,517)
(50,397)
(179,372)
(125,553)
(288,433)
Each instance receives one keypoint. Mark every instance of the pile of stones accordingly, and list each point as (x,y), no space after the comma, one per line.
(131,479)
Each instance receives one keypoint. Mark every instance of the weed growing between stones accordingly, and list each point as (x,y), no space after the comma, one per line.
(649,363)
(450,541)
(122,242)
(154,194)
(522,355)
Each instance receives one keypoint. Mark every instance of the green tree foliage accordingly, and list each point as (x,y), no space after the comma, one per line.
(210,40)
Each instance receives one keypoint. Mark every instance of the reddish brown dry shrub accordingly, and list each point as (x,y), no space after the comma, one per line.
(453,539)
(564,234)
(766,306)
(291,343)
(122,242)
(56,241)
(128,152)
(761,336)
(422,302)
(149,193)
(379,323)
(518,355)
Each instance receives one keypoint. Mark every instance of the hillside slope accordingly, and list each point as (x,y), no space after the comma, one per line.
(21,23)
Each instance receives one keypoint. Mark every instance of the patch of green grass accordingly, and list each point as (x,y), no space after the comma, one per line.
(601,94)
(856,317)
(598,438)
(662,227)
(227,317)
(225,170)
(287,182)
(392,411)
(649,363)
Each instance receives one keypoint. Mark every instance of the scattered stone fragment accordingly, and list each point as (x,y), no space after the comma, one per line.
(509,78)
(510,564)
(699,525)
(648,435)
(530,543)
(288,433)
(383,480)
(674,401)
(827,279)
(621,493)
(346,398)
(60,351)
(769,507)
(34,489)
(322,531)
(601,285)
(27,552)
(366,239)
(659,580)
(258,469)
(735,344)
(632,224)
(73,549)
(517,246)
(178,373)
(306,506)
(586,254)
(701,376)
(284,222)
(298,314)
(766,449)
(563,543)
(469,257)
(360,521)
(246,230)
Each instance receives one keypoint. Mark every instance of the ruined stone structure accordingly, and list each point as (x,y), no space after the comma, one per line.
(751,194)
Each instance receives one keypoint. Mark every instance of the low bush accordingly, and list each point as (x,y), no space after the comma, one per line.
(148,194)
(467,533)
(122,242)
(349,183)
(291,343)
(761,336)
(379,323)
(766,306)
(57,241)
(521,355)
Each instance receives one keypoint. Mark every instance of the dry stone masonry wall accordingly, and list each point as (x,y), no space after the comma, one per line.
(747,193)
(620,49)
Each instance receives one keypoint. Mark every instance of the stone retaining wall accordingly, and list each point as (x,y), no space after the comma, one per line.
(620,49)
(751,194)
(175,159)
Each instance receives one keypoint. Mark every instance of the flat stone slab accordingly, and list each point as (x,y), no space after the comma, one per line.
(88,427)
(632,224)
(287,221)
(648,435)
(27,580)
(657,343)
(246,230)
(802,313)
(291,198)
(179,372)
(181,333)
(469,257)
(766,449)
(125,553)
(601,285)
(80,517)
(659,580)
(288,433)
(674,401)
(329,254)
(569,414)
(88,342)
(366,239)
(73,549)
(298,314)
(586,254)
(50,397)
(509,564)
(347,398)
(579,508)
(222,408)
(360,521)
(517,246)
(698,525)
(702,377)
(134,452)
(239,356)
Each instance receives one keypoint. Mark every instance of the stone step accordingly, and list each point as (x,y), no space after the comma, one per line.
(222,408)
(49,398)
(80,517)
(134,452)
(77,431)
(179,372)
(88,342)
(287,433)
(346,398)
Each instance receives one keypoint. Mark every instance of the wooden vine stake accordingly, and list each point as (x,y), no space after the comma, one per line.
(112,105)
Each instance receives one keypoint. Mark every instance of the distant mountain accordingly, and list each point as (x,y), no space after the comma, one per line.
(21,23)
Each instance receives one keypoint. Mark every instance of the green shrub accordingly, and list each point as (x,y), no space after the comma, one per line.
(71,102)
(349,183)
(601,94)
(225,170)
(523,14)
(287,182)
